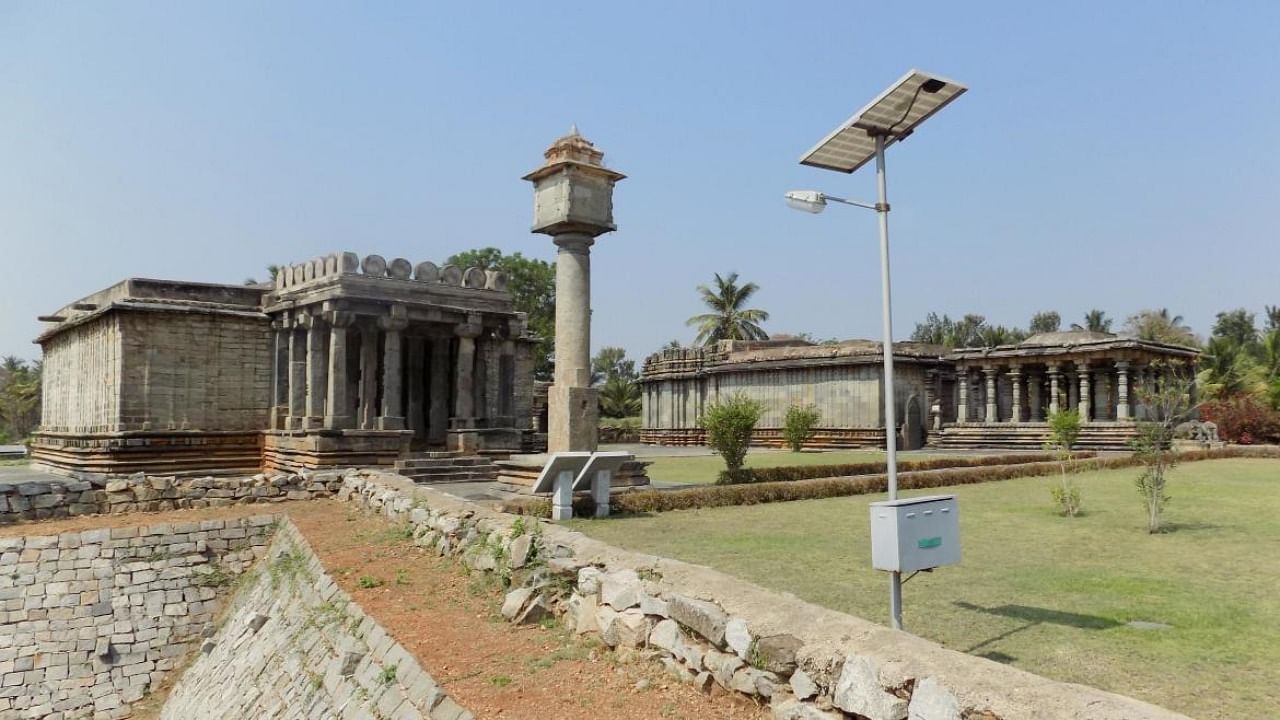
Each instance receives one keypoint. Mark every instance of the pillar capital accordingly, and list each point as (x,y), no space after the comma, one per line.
(471,329)
(340,318)
(577,243)
(1082,366)
(397,318)
(1122,364)
(307,320)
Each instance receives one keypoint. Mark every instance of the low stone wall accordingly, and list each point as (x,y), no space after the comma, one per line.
(295,646)
(90,621)
(807,662)
(64,497)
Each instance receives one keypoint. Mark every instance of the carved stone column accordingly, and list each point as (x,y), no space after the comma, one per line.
(1123,410)
(462,435)
(338,406)
(438,394)
(1015,382)
(1035,396)
(962,389)
(368,411)
(1054,374)
(280,373)
(297,375)
(993,405)
(317,371)
(392,325)
(1082,372)
(416,352)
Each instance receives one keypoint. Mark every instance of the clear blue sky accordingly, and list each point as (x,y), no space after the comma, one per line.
(1117,155)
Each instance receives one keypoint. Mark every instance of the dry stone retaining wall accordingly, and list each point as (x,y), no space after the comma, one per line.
(296,646)
(90,621)
(807,662)
(59,497)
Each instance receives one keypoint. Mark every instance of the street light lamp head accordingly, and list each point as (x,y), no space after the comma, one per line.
(810,201)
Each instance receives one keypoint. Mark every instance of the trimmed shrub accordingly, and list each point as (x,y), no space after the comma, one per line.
(729,424)
(790,473)
(799,425)
(705,496)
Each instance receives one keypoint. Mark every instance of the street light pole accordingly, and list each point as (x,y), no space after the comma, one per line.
(890,409)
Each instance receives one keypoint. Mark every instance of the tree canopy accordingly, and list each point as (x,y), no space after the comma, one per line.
(1094,321)
(1161,326)
(19,398)
(1045,322)
(729,318)
(532,284)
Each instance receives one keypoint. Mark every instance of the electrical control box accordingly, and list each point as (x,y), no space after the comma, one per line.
(918,533)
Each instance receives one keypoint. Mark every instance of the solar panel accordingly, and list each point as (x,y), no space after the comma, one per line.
(895,113)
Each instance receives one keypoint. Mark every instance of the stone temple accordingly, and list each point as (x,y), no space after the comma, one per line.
(997,397)
(342,361)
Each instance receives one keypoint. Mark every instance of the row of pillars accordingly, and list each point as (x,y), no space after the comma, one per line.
(316,390)
(1075,385)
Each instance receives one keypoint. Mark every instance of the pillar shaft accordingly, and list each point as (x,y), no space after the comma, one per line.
(962,402)
(573,310)
(368,377)
(1086,404)
(1053,389)
(1015,382)
(1123,410)
(464,377)
(338,404)
(392,373)
(438,411)
(297,376)
(993,407)
(317,372)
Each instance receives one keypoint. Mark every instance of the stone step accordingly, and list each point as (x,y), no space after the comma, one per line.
(435,463)
(452,477)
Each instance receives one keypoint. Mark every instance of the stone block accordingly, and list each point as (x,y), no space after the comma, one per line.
(858,690)
(700,616)
(931,701)
(621,589)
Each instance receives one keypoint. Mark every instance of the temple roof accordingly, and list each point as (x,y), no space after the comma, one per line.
(1067,337)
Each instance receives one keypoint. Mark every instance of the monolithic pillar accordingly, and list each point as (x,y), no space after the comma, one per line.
(392,325)
(297,376)
(1035,396)
(464,413)
(993,406)
(1054,373)
(416,353)
(1122,390)
(438,410)
(1082,372)
(369,376)
(317,371)
(962,388)
(573,203)
(280,373)
(338,405)
(1015,382)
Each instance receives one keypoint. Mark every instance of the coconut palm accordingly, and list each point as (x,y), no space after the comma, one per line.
(1161,326)
(729,319)
(1094,321)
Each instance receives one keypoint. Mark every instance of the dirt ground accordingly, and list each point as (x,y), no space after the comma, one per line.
(450,621)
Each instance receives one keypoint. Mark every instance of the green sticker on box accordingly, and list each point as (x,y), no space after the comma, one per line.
(932,542)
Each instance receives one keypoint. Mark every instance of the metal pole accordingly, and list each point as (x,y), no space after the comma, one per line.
(890,411)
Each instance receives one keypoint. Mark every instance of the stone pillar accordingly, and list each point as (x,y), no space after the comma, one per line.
(392,325)
(280,374)
(1035,396)
(1085,403)
(993,405)
(507,378)
(417,359)
(1015,382)
(438,410)
(962,389)
(462,435)
(1122,390)
(573,203)
(317,371)
(1054,374)
(338,404)
(297,376)
(368,377)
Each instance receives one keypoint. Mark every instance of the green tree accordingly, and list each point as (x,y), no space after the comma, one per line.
(19,397)
(1094,321)
(1238,327)
(1064,432)
(532,284)
(1170,404)
(672,345)
(1226,370)
(942,330)
(1045,322)
(729,318)
(729,424)
(612,362)
(1161,326)
(1273,317)
(993,335)
(620,398)
(799,425)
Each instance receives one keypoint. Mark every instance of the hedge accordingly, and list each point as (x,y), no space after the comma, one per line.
(808,472)
(706,496)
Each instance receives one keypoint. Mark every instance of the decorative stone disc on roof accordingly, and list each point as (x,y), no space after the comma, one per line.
(308,271)
(474,278)
(497,280)
(451,275)
(331,265)
(427,272)
(374,265)
(296,272)
(400,269)
(350,262)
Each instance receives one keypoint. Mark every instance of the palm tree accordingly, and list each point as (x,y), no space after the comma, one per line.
(1161,326)
(729,319)
(620,397)
(1094,321)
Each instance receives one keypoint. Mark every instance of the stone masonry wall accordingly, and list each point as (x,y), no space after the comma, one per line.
(90,621)
(708,628)
(195,371)
(81,378)
(59,497)
(296,646)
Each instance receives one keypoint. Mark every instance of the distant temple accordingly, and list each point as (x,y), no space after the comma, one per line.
(341,362)
(997,397)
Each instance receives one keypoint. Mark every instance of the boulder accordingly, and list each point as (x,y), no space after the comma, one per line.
(535,611)
(792,709)
(520,548)
(621,589)
(931,701)
(803,685)
(722,666)
(738,637)
(858,690)
(776,653)
(751,681)
(515,601)
(627,629)
(704,618)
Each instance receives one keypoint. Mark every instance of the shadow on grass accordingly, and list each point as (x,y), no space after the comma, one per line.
(1032,616)
(1173,527)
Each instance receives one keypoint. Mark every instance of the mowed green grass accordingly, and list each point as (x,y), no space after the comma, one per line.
(1045,593)
(704,469)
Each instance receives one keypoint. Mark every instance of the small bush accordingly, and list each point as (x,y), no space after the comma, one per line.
(368,582)
(1064,431)
(729,424)
(799,425)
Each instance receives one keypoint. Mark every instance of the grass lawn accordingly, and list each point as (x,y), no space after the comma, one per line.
(1045,593)
(703,469)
